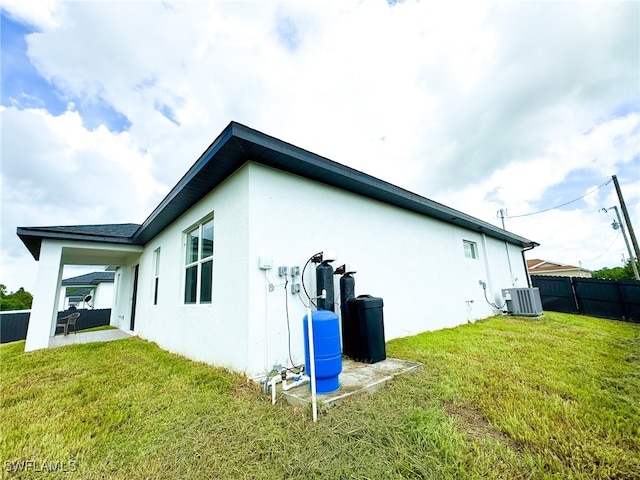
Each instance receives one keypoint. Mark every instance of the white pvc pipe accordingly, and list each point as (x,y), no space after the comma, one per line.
(312,365)
(273,383)
(266,315)
(301,380)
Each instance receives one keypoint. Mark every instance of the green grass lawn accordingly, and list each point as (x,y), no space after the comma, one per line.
(555,397)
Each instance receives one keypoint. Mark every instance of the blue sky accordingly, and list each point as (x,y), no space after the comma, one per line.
(463,102)
(23,86)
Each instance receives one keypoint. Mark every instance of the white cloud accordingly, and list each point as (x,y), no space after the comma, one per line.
(579,232)
(479,105)
(55,172)
(38,13)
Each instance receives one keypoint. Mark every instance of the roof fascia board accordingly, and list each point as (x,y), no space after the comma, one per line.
(238,144)
(293,159)
(35,232)
(206,156)
(347,178)
(32,238)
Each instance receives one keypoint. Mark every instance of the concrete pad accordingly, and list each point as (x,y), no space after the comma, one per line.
(355,378)
(88,337)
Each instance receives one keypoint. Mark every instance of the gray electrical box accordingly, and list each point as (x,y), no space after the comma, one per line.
(524,302)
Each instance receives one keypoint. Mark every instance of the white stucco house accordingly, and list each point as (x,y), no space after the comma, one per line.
(189,277)
(91,290)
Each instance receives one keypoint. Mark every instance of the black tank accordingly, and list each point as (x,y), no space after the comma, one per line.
(347,292)
(324,281)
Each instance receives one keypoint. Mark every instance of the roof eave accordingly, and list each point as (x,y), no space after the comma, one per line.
(32,238)
(239,144)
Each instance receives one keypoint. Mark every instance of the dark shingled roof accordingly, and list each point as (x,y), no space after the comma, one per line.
(110,233)
(92,278)
(237,145)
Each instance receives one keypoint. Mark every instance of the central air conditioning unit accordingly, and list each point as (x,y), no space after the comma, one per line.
(524,302)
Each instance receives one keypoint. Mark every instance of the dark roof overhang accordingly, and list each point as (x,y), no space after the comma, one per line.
(237,145)
(118,233)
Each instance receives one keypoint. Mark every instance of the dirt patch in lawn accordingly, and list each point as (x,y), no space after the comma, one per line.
(475,426)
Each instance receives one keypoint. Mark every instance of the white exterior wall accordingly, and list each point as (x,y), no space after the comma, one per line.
(416,264)
(103,295)
(214,333)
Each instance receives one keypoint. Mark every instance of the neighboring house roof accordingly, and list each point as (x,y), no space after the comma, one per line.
(93,278)
(544,266)
(237,145)
(79,294)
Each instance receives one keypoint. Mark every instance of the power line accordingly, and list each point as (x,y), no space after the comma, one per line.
(564,204)
(608,248)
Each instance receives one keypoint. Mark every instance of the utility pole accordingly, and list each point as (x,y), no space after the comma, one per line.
(623,207)
(502,213)
(626,241)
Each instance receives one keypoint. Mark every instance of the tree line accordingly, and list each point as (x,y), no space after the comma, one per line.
(616,273)
(19,300)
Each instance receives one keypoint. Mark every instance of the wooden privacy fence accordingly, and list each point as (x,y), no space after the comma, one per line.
(13,325)
(616,299)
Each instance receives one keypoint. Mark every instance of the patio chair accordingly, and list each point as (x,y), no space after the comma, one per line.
(69,320)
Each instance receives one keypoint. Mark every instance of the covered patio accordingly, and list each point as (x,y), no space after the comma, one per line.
(97,245)
(108,335)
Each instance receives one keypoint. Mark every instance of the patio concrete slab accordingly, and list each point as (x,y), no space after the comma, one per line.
(88,337)
(355,378)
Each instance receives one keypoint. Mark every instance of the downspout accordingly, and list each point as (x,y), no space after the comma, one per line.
(524,261)
(487,263)
(506,247)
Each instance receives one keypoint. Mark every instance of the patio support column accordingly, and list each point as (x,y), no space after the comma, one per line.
(44,311)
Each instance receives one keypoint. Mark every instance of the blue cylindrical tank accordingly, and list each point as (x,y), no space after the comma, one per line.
(326,346)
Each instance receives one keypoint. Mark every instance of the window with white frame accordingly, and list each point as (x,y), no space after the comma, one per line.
(470,249)
(156,274)
(198,278)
